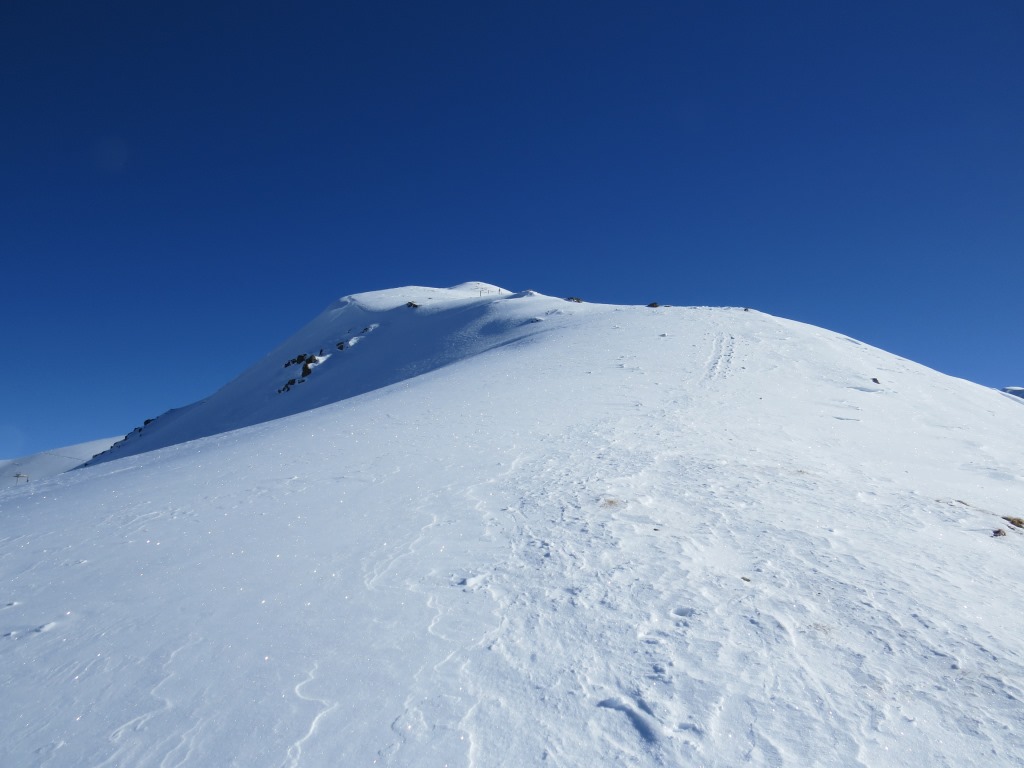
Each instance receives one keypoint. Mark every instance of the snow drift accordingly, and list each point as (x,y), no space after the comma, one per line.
(519,530)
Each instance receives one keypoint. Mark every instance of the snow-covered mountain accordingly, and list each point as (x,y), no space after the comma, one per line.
(44,464)
(358,344)
(520,530)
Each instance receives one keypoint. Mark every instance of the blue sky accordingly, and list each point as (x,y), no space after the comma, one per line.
(186,184)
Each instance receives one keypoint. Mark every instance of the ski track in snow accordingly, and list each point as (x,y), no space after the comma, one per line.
(719,364)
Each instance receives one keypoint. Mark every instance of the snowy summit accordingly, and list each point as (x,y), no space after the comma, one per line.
(475,527)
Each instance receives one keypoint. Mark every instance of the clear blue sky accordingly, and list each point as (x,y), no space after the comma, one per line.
(185,184)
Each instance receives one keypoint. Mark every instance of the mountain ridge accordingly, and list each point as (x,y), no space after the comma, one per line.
(394,334)
(351,321)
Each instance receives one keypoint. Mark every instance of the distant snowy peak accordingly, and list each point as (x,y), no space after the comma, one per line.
(395,298)
(477,287)
(40,466)
(1018,391)
(358,344)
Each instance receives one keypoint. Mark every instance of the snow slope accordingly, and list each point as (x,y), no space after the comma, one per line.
(358,344)
(613,536)
(40,466)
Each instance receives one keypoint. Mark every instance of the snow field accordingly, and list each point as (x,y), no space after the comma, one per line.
(675,536)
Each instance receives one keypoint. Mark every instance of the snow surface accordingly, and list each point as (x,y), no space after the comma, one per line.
(384,340)
(584,535)
(46,464)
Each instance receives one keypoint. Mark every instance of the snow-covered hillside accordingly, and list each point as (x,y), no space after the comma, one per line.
(583,535)
(38,466)
(359,344)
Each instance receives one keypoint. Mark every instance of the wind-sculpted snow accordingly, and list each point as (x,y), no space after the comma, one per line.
(648,536)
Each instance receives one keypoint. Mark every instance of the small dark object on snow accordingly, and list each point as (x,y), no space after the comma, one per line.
(746,309)
(411,304)
(1017,522)
(306,369)
(745,578)
(998,532)
(654,304)
(575,299)
(876,381)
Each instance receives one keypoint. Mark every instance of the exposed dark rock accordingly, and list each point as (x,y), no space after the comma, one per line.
(575,299)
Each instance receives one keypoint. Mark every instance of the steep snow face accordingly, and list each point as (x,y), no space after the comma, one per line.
(617,536)
(358,344)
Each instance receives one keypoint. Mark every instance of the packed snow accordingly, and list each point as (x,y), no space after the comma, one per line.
(507,529)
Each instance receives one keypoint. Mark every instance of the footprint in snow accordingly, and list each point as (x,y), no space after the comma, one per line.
(660,673)
(470,583)
(640,717)
(14,634)
(691,727)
